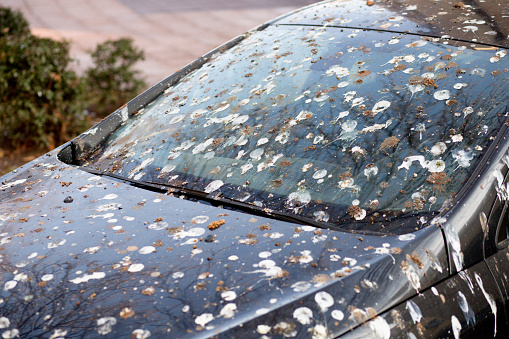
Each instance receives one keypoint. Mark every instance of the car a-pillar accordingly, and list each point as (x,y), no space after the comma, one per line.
(477,245)
(496,236)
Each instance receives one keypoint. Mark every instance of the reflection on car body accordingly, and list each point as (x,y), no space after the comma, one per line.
(340,171)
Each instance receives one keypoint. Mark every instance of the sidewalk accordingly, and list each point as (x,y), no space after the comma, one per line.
(172,33)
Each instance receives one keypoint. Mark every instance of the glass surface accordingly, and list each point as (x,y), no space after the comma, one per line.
(347,127)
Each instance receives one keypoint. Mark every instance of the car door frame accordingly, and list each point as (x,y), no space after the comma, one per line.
(495,249)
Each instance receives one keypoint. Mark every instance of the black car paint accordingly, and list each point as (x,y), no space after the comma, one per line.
(241,235)
(29,220)
(449,309)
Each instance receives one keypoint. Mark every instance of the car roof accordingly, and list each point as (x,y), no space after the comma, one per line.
(480,22)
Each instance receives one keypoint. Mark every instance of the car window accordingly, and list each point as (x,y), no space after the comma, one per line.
(503,227)
(347,127)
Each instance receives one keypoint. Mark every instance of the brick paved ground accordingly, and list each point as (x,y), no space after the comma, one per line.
(171,32)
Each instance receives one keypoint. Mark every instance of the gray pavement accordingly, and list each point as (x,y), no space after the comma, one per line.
(171,32)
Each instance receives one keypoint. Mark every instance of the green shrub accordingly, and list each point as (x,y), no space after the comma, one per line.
(41,99)
(113,81)
(12,23)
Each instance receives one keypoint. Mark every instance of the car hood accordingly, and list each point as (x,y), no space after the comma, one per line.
(480,22)
(86,255)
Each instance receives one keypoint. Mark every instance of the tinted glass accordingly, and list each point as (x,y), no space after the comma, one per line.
(344,126)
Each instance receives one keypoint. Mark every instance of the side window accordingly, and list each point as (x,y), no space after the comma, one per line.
(499,215)
(502,235)
(498,228)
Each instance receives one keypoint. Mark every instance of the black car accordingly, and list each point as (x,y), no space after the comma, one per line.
(340,171)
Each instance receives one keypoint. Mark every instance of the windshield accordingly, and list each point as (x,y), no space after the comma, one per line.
(346,127)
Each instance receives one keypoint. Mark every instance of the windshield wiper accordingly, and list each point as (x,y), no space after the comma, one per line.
(217,200)
(156,187)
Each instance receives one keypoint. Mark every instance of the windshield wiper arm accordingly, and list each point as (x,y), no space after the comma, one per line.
(217,200)
(157,187)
